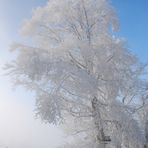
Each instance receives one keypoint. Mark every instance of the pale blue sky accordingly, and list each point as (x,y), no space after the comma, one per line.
(16,113)
(133,16)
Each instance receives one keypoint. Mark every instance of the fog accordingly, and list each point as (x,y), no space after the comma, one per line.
(18,126)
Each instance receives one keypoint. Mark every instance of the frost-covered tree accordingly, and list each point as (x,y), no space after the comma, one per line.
(82,74)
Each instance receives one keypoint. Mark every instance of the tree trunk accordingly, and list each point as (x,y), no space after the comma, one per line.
(100,135)
(146,135)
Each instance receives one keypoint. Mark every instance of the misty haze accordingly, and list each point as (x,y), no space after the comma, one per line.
(73,74)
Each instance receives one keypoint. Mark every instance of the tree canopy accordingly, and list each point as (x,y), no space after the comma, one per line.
(82,73)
